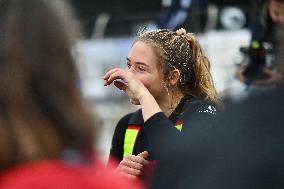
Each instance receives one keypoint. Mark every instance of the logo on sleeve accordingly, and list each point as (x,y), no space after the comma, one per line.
(209,109)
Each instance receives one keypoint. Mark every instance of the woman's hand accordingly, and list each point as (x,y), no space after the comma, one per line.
(125,80)
(273,77)
(137,92)
(131,166)
(240,73)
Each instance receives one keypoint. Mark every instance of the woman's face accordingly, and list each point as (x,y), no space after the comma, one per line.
(143,63)
(276,11)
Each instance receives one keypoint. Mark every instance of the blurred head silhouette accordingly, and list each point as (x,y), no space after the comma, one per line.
(276,11)
(41,108)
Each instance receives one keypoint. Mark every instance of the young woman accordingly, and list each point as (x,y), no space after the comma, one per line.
(169,76)
(46,130)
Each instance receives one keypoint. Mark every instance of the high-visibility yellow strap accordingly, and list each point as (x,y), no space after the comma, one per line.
(131,135)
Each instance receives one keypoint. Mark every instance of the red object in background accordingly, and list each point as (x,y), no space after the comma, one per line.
(56,174)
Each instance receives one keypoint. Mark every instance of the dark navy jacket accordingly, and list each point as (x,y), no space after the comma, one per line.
(159,126)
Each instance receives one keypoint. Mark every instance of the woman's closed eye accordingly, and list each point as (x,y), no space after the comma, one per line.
(141,69)
(138,68)
(128,65)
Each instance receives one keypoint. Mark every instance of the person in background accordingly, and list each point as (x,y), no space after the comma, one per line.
(268,21)
(266,28)
(183,13)
(243,147)
(47,132)
(169,76)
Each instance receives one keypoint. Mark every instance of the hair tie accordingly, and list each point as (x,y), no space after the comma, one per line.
(182,33)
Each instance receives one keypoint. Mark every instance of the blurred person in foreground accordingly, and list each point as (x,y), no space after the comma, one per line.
(242,148)
(46,131)
(267,26)
(169,76)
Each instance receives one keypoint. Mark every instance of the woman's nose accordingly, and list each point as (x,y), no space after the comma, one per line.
(131,69)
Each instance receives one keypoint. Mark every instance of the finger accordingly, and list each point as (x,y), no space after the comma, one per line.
(144,154)
(131,164)
(123,170)
(120,85)
(105,77)
(108,74)
(119,74)
(128,175)
(138,159)
(130,171)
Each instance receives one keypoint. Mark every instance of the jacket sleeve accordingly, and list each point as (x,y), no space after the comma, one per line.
(159,129)
(117,143)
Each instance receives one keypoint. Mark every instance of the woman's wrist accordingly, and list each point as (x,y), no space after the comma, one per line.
(149,105)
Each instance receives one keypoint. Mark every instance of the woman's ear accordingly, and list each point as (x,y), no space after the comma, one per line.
(174,77)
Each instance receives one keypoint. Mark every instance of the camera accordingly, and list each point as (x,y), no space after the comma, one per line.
(260,55)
